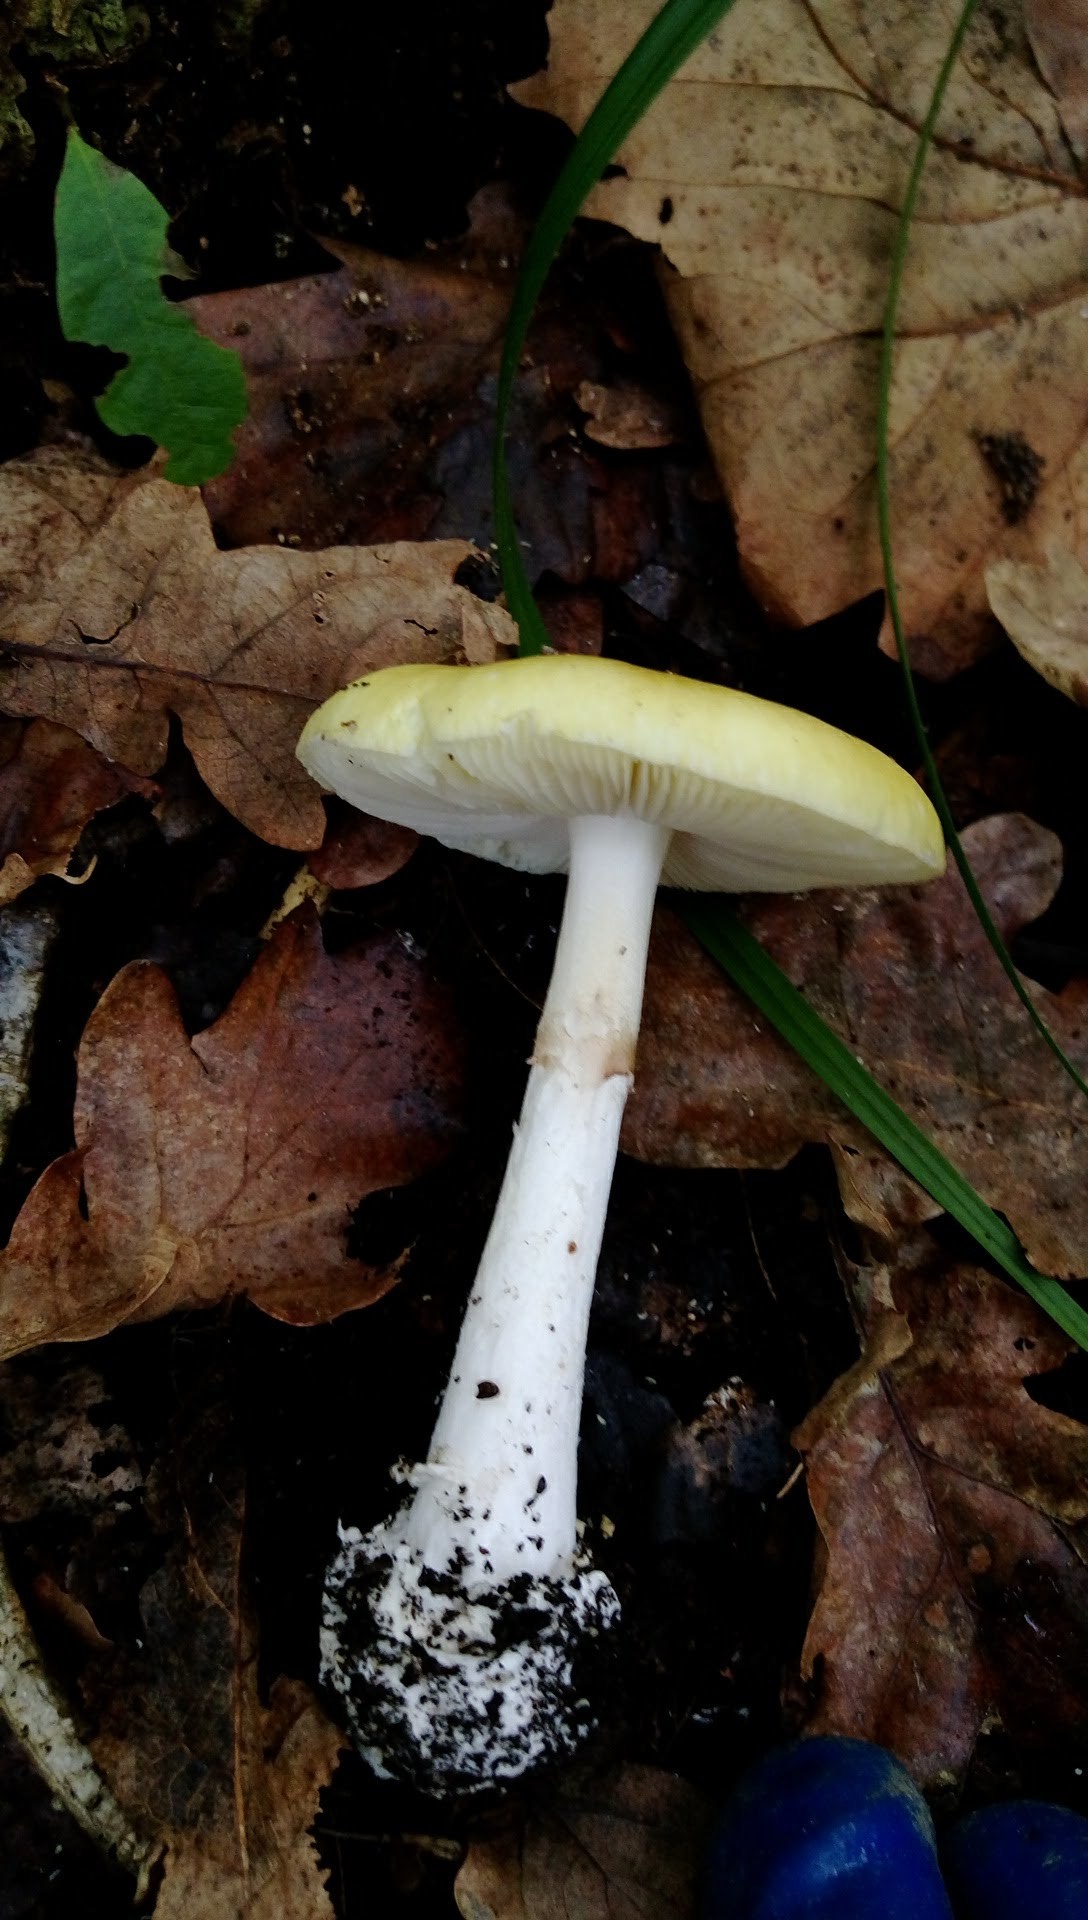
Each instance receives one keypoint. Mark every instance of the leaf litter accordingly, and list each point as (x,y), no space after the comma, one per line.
(949,1449)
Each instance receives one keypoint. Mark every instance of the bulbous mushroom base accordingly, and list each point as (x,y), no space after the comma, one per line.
(454,1687)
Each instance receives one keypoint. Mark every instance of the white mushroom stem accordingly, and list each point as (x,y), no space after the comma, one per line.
(508,1427)
(495,1501)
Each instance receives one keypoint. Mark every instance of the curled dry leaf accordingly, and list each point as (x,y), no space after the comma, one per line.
(627,1847)
(229,1163)
(117,610)
(627,417)
(51,784)
(950,1503)
(771,172)
(906,978)
(1044,611)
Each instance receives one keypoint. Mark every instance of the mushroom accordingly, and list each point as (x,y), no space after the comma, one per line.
(455,1631)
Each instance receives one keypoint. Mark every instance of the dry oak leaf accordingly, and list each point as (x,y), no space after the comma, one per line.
(117,610)
(626,1847)
(51,784)
(953,1509)
(906,978)
(1044,611)
(229,1163)
(771,172)
(227,1781)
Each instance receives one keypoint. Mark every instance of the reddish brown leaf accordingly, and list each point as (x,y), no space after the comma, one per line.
(357,379)
(229,1164)
(628,1847)
(906,978)
(941,1487)
(51,784)
(117,610)
(358,851)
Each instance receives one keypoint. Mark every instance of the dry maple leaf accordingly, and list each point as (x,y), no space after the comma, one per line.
(117,610)
(626,1847)
(229,1163)
(771,172)
(51,784)
(951,1503)
(906,978)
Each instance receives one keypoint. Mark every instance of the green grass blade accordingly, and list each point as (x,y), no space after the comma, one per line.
(884,512)
(672,35)
(758,976)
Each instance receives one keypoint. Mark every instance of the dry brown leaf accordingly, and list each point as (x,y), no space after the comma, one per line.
(628,1847)
(771,172)
(117,610)
(906,978)
(1058,32)
(51,784)
(229,1163)
(1044,611)
(950,1503)
(229,1783)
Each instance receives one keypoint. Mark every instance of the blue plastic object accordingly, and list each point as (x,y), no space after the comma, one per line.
(828,1829)
(1016,1861)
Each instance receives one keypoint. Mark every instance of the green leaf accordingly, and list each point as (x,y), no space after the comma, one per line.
(181,390)
(671,36)
(757,975)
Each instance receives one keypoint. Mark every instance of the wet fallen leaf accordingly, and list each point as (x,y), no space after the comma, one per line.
(940,1485)
(373,399)
(628,1847)
(227,1781)
(357,378)
(1058,32)
(1044,611)
(906,978)
(117,610)
(51,784)
(229,1164)
(771,173)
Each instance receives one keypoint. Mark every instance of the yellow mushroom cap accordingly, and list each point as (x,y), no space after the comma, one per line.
(495,760)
